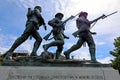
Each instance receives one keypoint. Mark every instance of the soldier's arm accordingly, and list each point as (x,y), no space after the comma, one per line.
(52,22)
(78,24)
(37,12)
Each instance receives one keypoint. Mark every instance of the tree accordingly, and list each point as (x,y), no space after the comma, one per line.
(116,53)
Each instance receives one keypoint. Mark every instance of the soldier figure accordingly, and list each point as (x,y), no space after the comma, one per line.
(34,20)
(58,34)
(84,35)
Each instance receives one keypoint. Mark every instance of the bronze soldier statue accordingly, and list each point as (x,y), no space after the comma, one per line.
(58,34)
(34,20)
(84,35)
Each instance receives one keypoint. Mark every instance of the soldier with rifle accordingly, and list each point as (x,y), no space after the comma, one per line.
(58,34)
(85,35)
(34,20)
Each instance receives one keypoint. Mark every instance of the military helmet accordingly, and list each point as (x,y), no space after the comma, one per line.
(38,7)
(59,14)
(83,14)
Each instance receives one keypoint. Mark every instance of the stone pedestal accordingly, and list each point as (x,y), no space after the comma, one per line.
(36,68)
(58,73)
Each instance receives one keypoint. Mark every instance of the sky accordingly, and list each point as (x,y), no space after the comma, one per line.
(13,19)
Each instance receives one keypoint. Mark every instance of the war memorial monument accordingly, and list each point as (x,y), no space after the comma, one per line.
(54,66)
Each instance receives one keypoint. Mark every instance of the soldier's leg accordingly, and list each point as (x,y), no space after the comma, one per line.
(59,41)
(92,49)
(92,54)
(73,48)
(19,40)
(53,43)
(58,51)
(37,43)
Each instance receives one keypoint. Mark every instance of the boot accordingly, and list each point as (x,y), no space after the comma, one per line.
(67,55)
(73,48)
(33,54)
(7,56)
(93,57)
(45,47)
(57,55)
(35,48)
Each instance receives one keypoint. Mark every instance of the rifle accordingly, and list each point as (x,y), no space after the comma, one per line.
(75,34)
(71,17)
(48,35)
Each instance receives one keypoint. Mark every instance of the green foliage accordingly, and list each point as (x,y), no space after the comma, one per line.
(116,53)
(116,63)
(1,59)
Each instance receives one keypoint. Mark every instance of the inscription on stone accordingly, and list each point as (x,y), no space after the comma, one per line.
(57,73)
(53,73)
(55,77)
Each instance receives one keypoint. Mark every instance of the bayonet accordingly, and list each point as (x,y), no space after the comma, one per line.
(110,14)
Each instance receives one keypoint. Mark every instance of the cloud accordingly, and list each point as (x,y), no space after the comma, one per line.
(26,3)
(105,60)
(3,49)
(6,39)
(99,43)
(5,42)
